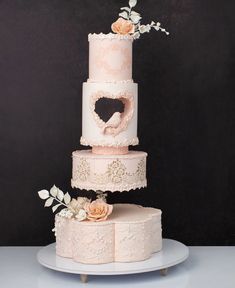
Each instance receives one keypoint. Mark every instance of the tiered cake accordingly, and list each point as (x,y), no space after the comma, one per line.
(132,233)
(94,232)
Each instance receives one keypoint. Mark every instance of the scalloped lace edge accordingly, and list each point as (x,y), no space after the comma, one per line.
(89,80)
(110,188)
(109,36)
(115,143)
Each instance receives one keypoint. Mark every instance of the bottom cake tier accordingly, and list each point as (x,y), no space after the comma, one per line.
(132,233)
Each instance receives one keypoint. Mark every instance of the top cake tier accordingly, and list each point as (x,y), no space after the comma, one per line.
(110,57)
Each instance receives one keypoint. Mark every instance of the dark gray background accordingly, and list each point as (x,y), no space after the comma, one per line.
(185,116)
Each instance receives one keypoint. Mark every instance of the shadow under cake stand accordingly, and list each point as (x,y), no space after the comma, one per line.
(172,253)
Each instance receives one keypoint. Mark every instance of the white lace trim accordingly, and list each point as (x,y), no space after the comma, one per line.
(89,80)
(108,187)
(109,143)
(109,36)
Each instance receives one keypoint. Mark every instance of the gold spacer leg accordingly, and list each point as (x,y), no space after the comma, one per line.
(163,272)
(83,278)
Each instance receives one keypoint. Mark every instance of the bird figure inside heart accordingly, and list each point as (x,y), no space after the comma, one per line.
(113,122)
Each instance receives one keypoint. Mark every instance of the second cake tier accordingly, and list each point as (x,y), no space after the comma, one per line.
(109,114)
(109,172)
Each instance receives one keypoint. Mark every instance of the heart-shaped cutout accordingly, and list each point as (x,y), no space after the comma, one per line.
(112,112)
(106,107)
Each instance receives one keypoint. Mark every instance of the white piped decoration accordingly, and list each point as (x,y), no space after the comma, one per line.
(81,215)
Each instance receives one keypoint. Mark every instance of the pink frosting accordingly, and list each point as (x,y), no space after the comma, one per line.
(110,150)
(110,58)
(131,233)
(109,172)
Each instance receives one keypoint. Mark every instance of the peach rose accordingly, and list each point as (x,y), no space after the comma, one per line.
(98,210)
(123,27)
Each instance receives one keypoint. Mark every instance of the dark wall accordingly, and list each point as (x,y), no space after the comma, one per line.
(185,112)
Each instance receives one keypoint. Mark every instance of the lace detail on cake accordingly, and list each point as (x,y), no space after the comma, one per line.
(113,240)
(98,247)
(141,169)
(108,187)
(109,36)
(102,55)
(64,234)
(116,171)
(82,170)
(115,178)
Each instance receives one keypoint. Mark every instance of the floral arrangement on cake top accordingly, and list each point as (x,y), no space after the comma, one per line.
(129,22)
(80,208)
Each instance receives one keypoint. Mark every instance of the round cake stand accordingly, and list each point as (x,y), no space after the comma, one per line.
(172,253)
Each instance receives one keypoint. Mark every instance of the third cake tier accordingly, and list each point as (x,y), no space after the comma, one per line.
(109,172)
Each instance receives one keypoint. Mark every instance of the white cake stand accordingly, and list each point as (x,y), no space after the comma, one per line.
(172,253)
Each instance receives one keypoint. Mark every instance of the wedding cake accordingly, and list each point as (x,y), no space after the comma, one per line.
(92,231)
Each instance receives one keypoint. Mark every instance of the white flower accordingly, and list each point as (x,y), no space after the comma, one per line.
(69,214)
(76,204)
(82,201)
(62,212)
(124,15)
(81,215)
(144,28)
(136,35)
(135,18)
(66,213)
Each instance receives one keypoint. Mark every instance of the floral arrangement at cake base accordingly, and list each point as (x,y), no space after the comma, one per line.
(80,208)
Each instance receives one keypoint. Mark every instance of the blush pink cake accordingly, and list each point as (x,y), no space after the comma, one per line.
(132,233)
(91,231)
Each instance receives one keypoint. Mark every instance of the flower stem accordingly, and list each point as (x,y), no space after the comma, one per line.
(60,201)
